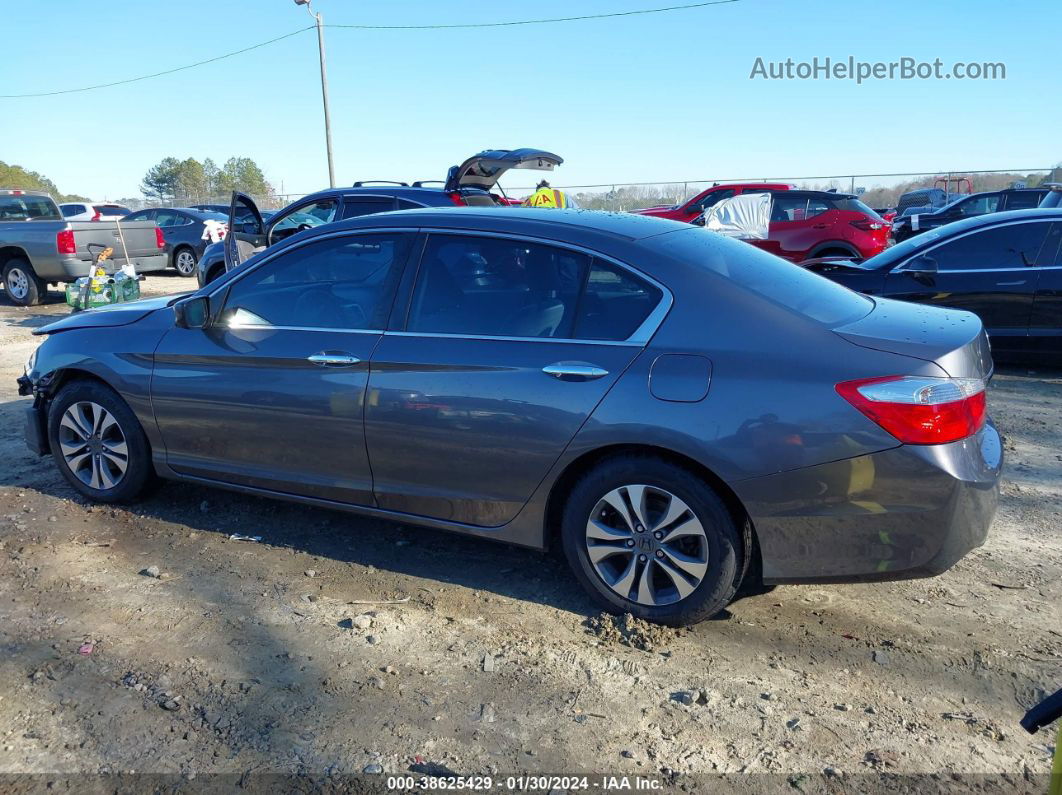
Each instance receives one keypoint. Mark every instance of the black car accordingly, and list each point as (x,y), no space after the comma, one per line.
(185,231)
(471,184)
(1004,267)
(911,223)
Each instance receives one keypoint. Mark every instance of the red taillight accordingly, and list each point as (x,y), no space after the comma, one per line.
(920,409)
(160,241)
(96,217)
(867,225)
(457,198)
(64,242)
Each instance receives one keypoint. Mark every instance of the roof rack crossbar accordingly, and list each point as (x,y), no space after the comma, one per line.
(363,182)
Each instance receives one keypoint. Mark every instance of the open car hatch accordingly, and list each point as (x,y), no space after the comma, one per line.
(485,169)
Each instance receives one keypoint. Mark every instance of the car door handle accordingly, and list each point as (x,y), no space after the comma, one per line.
(819,226)
(571,371)
(1010,284)
(333,359)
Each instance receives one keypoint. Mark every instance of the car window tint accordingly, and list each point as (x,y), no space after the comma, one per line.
(143,215)
(72,209)
(1051,251)
(614,304)
(354,209)
(167,218)
(338,283)
(715,198)
(800,291)
(28,208)
(1023,200)
(305,216)
(496,287)
(979,205)
(817,207)
(786,208)
(406,204)
(1009,246)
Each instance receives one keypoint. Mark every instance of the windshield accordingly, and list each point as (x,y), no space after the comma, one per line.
(28,208)
(773,278)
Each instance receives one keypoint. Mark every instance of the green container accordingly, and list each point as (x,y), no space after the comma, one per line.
(111,291)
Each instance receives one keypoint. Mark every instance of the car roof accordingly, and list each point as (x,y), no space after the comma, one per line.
(818,194)
(200,214)
(521,220)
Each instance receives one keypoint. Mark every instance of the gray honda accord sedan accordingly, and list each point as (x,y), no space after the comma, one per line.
(674,409)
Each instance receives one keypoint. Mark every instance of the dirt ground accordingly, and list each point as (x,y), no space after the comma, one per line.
(338,644)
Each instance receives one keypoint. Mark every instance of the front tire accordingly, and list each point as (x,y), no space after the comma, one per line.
(651,538)
(184,260)
(98,443)
(22,285)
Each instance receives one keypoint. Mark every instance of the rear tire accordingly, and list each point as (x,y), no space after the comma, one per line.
(677,582)
(22,285)
(98,443)
(184,261)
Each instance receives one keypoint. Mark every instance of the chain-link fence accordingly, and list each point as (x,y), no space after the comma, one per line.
(876,190)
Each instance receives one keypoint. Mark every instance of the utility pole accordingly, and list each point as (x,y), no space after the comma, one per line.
(324,89)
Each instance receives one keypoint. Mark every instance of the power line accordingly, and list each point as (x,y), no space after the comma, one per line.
(159,74)
(546,21)
(512,23)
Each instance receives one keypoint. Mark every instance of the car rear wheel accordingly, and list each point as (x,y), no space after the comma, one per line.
(22,285)
(97,443)
(184,261)
(653,539)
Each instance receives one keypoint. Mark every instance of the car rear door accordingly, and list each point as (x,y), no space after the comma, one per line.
(271,394)
(507,346)
(791,233)
(991,272)
(1045,322)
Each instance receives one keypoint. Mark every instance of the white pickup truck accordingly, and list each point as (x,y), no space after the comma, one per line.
(39,247)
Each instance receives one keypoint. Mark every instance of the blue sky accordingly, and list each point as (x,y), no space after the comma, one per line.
(665,97)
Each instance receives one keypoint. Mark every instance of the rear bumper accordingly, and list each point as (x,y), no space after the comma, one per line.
(902,513)
(76,268)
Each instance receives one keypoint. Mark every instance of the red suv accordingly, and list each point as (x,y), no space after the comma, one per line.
(692,209)
(810,223)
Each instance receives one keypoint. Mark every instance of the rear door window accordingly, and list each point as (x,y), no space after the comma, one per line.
(788,208)
(496,287)
(817,207)
(1024,200)
(614,304)
(354,208)
(1009,246)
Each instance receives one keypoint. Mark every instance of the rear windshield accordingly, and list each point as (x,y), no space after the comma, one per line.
(856,206)
(111,209)
(28,208)
(773,278)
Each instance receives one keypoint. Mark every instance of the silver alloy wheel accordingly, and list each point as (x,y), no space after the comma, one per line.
(93,445)
(185,263)
(17,284)
(647,545)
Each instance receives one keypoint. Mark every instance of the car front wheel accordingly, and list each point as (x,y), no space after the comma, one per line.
(97,443)
(651,538)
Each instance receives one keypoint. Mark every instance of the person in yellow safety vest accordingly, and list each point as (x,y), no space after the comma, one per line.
(545,196)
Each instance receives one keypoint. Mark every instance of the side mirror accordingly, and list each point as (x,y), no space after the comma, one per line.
(922,268)
(192,312)
(699,220)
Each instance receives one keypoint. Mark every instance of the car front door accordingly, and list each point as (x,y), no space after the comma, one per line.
(508,346)
(991,272)
(270,394)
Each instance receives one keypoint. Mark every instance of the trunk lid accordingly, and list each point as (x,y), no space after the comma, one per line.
(140,240)
(952,339)
(483,170)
